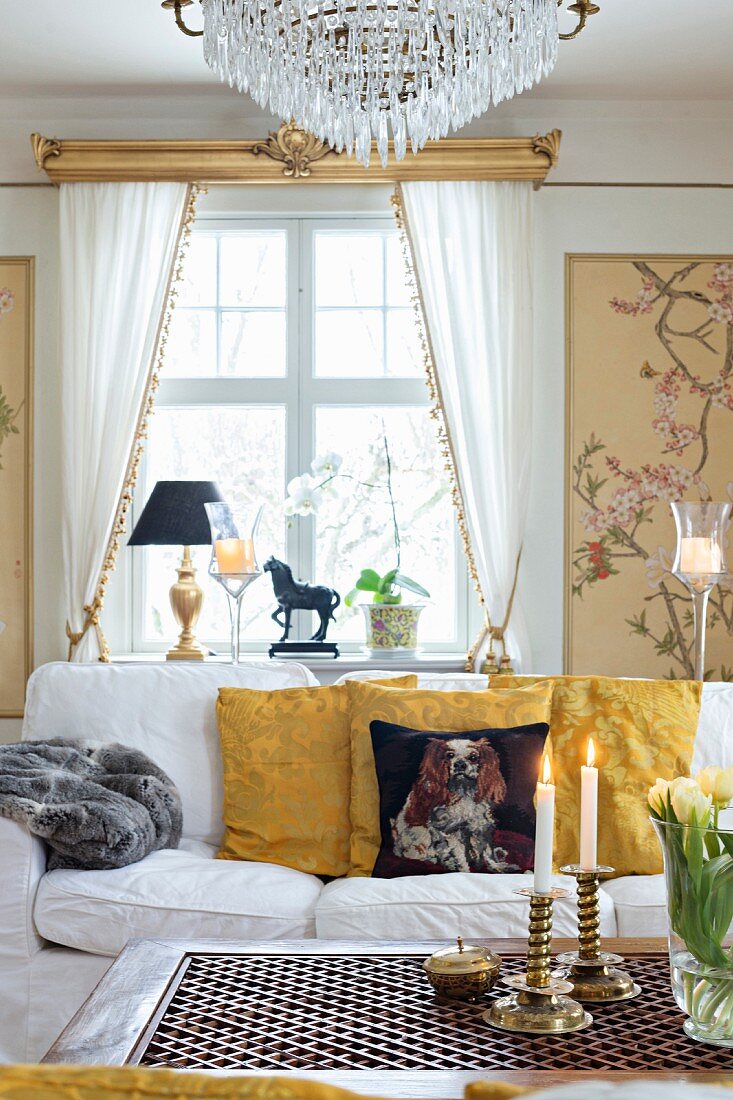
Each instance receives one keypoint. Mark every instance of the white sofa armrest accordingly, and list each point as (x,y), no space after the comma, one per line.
(22,865)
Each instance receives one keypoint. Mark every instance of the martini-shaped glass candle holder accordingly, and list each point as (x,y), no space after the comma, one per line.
(233,558)
(700,559)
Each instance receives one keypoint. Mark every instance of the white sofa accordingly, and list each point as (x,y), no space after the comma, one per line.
(59,930)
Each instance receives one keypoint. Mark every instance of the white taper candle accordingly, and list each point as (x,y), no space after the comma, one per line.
(589,812)
(544,830)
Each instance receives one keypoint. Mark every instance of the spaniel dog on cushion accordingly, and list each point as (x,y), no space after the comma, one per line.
(447,818)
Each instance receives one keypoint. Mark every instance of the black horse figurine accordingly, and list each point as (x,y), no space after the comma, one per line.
(293,595)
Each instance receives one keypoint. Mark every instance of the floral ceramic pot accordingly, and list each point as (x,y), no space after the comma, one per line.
(392,628)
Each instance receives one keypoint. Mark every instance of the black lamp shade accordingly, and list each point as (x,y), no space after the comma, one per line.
(175,515)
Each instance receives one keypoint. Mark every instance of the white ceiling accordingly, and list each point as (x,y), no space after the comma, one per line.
(632,50)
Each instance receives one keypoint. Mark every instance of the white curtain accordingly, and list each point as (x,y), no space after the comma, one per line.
(472,252)
(119,244)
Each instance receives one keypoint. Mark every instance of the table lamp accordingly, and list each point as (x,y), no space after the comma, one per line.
(175,516)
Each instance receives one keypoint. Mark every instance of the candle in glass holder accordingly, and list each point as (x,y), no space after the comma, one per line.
(235,555)
(699,555)
(544,830)
(589,811)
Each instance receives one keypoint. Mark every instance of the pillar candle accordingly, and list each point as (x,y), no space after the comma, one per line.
(699,556)
(544,830)
(589,812)
(235,555)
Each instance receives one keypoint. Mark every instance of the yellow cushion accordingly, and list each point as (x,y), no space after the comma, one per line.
(493,1090)
(128,1083)
(642,730)
(422,709)
(287,776)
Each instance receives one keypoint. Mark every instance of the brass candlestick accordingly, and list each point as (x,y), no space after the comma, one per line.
(539,1005)
(592,973)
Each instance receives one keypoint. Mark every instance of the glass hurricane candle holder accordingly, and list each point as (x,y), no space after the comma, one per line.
(700,560)
(233,558)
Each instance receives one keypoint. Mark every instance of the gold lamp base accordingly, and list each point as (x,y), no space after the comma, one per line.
(187,599)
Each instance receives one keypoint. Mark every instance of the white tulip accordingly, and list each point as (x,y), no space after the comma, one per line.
(690,805)
(718,783)
(658,796)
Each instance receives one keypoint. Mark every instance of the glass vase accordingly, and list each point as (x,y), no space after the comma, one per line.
(234,557)
(698,870)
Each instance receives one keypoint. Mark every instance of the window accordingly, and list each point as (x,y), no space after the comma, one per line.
(293,337)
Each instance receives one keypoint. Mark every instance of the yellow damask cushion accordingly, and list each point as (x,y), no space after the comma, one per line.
(287,776)
(128,1083)
(642,730)
(422,709)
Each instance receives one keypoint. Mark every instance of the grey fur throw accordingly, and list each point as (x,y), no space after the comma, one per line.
(96,805)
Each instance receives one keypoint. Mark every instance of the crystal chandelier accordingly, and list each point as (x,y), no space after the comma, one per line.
(356,71)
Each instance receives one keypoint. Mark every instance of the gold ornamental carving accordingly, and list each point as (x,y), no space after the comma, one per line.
(43,148)
(295,148)
(549,145)
(287,158)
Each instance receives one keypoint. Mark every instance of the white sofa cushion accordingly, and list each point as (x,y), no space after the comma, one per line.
(439,907)
(641,904)
(184,893)
(165,710)
(714,741)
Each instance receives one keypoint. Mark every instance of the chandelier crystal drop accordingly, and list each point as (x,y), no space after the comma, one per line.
(354,71)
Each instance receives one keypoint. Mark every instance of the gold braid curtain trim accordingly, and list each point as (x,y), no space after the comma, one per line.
(437,412)
(93,611)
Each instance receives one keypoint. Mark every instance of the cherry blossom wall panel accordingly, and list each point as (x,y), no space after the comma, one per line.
(649,420)
(16,348)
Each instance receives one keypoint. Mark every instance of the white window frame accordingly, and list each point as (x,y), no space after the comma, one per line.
(300,390)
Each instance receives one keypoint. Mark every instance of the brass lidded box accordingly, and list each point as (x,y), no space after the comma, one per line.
(462,973)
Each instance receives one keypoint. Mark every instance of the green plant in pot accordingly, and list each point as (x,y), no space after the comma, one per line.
(391,623)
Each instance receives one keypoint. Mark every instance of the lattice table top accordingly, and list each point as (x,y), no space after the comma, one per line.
(377,1012)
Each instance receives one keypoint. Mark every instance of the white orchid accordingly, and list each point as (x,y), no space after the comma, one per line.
(718,784)
(304,497)
(690,805)
(326,465)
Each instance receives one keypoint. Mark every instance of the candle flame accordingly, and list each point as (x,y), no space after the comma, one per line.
(546,776)
(591,757)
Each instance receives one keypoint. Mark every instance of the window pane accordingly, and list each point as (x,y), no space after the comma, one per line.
(354,529)
(404,354)
(253,344)
(198,286)
(243,448)
(253,269)
(348,269)
(349,343)
(191,348)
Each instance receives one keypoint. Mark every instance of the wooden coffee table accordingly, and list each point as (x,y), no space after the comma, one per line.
(363,1016)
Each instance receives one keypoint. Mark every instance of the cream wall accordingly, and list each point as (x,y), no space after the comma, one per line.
(568,219)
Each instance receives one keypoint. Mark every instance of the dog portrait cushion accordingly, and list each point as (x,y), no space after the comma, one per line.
(421,709)
(642,730)
(456,802)
(287,776)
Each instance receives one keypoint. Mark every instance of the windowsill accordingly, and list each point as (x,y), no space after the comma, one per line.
(347,662)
